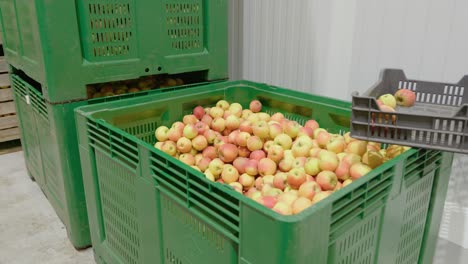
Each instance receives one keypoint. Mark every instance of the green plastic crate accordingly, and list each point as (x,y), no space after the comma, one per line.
(147,207)
(49,140)
(95,41)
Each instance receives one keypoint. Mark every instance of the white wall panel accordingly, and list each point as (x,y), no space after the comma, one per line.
(334,47)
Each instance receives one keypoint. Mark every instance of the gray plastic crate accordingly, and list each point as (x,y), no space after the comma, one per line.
(438,120)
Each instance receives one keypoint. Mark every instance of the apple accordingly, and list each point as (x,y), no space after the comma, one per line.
(169,147)
(266,166)
(288,154)
(232,136)
(236,109)
(261,129)
(282,208)
(292,128)
(255,106)
(216,167)
(328,160)
(314,152)
(246,113)
(358,170)
(257,155)
(357,147)
(347,182)
(327,180)
(190,131)
(210,152)
(161,133)
(199,112)
(299,162)
(158,145)
(300,205)
(313,124)
(347,137)
(336,145)
(372,158)
(312,166)
(246,126)
(229,174)
(320,196)
(174,134)
(178,126)
(280,180)
(251,191)
(286,164)
(201,127)
(242,139)
(188,159)
(237,187)
(259,183)
(239,163)
(287,197)
(275,130)
(216,112)
(232,122)
(244,152)
(254,143)
(251,167)
(268,180)
(228,152)
(301,146)
(207,119)
(305,131)
(203,163)
(323,138)
(210,136)
(318,131)
(218,124)
(338,186)
(275,153)
(247,181)
(199,143)
(253,118)
(283,140)
(273,192)
(308,189)
(184,145)
(267,145)
(209,175)
(388,100)
(351,158)
(223,104)
(277,117)
(193,151)
(268,201)
(342,172)
(296,177)
(264,117)
(405,97)
(190,119)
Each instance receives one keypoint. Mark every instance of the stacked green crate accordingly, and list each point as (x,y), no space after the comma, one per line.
(56,48)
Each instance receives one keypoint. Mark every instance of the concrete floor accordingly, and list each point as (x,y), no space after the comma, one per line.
(31,232)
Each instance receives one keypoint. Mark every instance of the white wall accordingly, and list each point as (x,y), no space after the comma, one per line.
(334,47)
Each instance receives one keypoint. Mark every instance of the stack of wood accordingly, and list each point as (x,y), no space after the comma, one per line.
(9,129)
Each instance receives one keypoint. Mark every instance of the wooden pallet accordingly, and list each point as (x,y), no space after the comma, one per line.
(9,128)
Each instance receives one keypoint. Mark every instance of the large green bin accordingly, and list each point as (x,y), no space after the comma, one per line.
(49,140)
(65,45)
(147,207)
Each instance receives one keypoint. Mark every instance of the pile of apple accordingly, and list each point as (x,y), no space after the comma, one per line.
(268,158)
(132,86)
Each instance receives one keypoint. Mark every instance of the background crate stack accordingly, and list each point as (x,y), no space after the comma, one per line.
(9,129)
(59,49)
